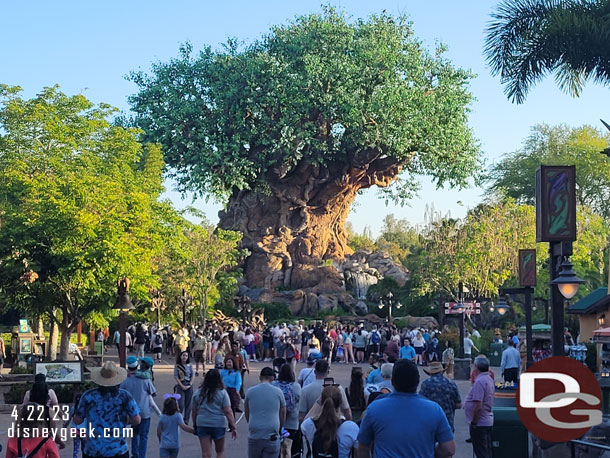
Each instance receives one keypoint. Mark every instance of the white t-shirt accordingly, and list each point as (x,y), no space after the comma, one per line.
(468,345)
(346,436)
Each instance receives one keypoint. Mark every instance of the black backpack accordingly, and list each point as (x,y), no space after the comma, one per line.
(317,450)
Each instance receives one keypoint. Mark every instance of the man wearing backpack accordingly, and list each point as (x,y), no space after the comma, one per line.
(265,410)
(387,430)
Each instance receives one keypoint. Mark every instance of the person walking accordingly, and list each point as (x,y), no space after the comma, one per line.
(347,346)
(355,393)
(511,362)
(360,339)
(390,433)
(140,340)
(308,374)
(468,346)
(107,406)
(328,434)
(183,374)
(407,351)
(211,415)
(310,396)
(40,393)
(419,344)
(231,378)
(198,352)
(157,344)
(291,446)
(392,349)
(441,390)
(448,359)
(478,408)
(265,409)
(142,390)
(168,429)
(27,440)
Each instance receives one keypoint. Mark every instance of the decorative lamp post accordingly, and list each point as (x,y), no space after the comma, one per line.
(556,224)
(243,304)
(184,301)
(123,305)
(388,303)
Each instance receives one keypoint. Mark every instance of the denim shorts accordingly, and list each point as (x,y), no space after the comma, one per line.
(215,432)
(167,452)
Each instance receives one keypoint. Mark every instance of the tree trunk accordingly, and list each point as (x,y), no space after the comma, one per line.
(300,224)
(40,330)
(66,333)
(53,337)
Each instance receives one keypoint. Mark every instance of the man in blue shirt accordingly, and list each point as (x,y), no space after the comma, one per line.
(511,361)
(407,351)
(107,409)
(393,433)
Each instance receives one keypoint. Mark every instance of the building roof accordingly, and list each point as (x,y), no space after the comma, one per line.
(592,303)
(541,327)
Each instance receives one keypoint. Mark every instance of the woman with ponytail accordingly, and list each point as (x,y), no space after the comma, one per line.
(330,435)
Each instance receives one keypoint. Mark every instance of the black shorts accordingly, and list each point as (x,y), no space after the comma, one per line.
(199,356)
(374,348)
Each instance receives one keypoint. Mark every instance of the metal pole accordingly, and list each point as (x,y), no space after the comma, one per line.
(461,299)
(528,325)
(122,339)
(183,299)
(556,301)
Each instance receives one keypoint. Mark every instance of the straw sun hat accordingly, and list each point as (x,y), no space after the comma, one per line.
(108,375)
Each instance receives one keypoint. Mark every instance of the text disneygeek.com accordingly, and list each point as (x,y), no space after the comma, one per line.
(65,433)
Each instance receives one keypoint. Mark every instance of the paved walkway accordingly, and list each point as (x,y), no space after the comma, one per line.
(190,448)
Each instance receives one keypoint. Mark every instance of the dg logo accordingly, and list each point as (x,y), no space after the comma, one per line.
(559,399)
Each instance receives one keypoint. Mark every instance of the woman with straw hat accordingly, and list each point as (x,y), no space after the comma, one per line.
(107,409)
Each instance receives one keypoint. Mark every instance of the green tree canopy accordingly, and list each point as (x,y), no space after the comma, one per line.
(514,176)
(78,206)
(528,39)
(322,90)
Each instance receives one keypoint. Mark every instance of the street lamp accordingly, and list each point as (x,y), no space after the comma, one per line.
(123,305)
(388,303)
(184,300)
(567,281)
(502,306)
(244,307)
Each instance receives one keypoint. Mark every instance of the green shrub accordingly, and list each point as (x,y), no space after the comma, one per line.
(484,342)
(591,360)
(16,369)
(16,393)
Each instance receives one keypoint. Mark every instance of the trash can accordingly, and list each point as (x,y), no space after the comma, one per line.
(495,354)
(99,348)
(509,438)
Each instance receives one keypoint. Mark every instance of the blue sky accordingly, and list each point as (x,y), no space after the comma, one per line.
(88,47)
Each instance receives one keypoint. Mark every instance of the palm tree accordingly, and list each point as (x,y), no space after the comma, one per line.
(528,39)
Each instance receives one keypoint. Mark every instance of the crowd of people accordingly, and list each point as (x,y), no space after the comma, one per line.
(288,415)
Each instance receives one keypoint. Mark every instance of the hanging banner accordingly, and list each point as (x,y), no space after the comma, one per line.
(555,203)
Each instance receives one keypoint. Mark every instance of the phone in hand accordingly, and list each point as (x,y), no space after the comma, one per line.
(329,381)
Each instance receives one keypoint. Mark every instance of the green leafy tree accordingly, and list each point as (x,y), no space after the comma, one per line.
(514,176)
(78,199)
(288,129)
(528,39)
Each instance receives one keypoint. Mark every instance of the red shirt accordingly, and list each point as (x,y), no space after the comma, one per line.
(48,450)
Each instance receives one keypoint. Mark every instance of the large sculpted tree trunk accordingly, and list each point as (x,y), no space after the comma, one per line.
(300,224)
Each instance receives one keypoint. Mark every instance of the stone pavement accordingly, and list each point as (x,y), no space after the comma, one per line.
(190,447)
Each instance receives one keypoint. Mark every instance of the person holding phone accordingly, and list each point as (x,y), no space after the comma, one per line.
(309,404)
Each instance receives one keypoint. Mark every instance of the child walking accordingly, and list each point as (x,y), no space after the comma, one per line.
(168,429)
